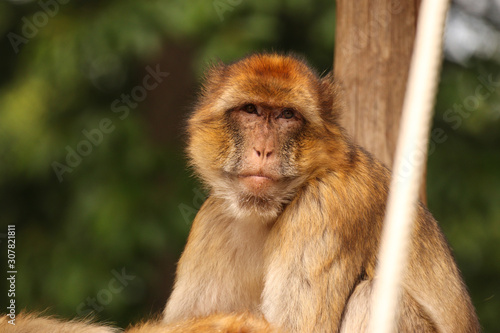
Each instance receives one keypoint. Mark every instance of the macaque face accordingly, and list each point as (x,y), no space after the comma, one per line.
(254,124)
(262,167)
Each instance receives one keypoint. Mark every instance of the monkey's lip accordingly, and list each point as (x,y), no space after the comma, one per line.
(256,182)
(256,177)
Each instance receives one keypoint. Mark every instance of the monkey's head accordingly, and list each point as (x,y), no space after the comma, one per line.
(261,128)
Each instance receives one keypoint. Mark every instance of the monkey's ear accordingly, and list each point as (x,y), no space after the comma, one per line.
(330,98)
(214,76)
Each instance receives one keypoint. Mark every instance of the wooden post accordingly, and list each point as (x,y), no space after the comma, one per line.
(373,47)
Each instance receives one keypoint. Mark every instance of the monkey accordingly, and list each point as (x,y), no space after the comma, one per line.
(292,224)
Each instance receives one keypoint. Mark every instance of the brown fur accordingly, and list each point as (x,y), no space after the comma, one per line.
(29,323)
(218,323)
(300,248)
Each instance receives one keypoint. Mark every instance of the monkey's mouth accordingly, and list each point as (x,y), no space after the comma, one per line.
(256,183)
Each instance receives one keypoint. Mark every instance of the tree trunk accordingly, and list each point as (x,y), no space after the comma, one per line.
(373,47)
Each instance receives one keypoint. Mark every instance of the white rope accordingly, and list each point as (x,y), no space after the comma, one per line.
(409,162)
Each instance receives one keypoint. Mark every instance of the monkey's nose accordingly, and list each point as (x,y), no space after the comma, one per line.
(263,153)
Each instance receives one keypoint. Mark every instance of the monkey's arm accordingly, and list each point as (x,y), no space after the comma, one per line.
(433,279)
(313,263)
(29,323)
(220,270)
(228,323)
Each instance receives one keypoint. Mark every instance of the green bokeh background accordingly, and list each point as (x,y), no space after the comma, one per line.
(127,205)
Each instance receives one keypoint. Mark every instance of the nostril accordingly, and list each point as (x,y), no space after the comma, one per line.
(262,153)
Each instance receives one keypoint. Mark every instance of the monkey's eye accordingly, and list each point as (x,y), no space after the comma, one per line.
(250,108)
(287,113)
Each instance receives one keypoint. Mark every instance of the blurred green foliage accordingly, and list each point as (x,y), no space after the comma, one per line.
(127,205)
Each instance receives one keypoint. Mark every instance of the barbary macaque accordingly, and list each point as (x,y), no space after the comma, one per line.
(292,225)
(288,238)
